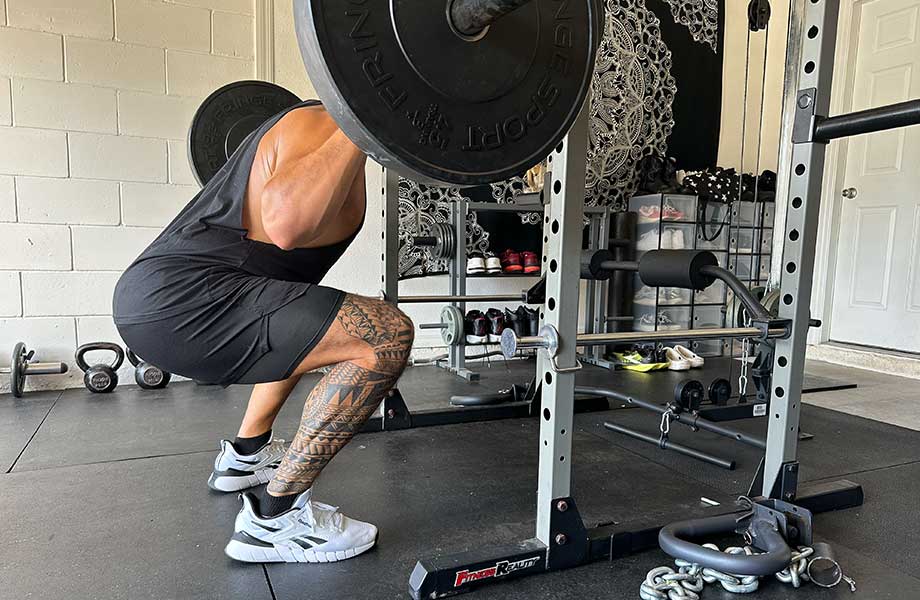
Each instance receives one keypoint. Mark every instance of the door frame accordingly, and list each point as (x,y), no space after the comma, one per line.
(834,172)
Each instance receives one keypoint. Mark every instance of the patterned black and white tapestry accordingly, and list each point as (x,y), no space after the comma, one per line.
(635,98)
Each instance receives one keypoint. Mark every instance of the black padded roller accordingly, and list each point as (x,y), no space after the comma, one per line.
(676,268)
(591,264)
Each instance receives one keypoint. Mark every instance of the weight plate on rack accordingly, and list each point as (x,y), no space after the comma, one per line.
(440,107)
(452,334)
(226,118)
(444,249)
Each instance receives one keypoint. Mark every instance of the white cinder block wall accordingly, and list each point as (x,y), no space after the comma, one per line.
(96,97)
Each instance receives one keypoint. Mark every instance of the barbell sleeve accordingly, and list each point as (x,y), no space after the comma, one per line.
(45,368)
(470,17)
(433,326)
(445,299)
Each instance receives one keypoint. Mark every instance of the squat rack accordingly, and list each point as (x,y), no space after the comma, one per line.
(561,539)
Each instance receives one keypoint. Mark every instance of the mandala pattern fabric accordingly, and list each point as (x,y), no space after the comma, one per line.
(701,17)
(632,103)
(631,117)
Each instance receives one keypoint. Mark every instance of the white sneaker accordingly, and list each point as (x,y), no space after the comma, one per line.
(666,323)
(676,362)
(677,238)
(672,296)
(493,264)
(691,357)
(646,323)
(475,265)
(311,532)
(646,296)
(234,472)
(651,240)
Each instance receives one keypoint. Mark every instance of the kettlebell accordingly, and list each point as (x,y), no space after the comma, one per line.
(100,378)
(148,376)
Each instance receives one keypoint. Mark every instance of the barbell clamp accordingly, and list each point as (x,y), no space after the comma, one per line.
(767,325)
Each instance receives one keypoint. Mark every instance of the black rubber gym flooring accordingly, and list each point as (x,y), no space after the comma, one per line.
(106,498)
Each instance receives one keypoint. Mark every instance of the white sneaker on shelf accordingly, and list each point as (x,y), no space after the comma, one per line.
(311,532)
(646,323)
(672,296)
(690,356)
(666,323)
(493,264)
(475,265)
(646,296)
(234,472)
(676,362)
(648,241)
(677,237)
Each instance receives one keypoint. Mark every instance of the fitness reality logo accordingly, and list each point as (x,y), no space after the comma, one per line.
(500,569)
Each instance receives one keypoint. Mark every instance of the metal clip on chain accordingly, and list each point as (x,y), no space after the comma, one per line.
(665,427)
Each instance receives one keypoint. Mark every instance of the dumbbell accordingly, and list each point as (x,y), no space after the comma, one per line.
(100,378)
(147,375)
(21,366)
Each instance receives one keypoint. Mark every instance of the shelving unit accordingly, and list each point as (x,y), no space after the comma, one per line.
(681,221)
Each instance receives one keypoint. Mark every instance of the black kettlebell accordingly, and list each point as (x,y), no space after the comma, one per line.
(100,378)
(148,376)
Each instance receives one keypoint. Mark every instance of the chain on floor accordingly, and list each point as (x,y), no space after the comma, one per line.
(687,581)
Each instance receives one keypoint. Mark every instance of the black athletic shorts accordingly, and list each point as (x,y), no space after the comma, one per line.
(231,346)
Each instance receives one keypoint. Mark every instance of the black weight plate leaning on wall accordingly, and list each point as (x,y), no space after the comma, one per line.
(227,117)
(437,107)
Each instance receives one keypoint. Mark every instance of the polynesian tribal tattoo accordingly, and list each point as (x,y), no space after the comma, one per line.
(346,397)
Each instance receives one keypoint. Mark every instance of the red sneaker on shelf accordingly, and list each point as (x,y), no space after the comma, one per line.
(511,261)
(669,213)
(531,262)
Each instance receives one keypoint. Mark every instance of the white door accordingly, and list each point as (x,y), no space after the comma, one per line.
(877,283)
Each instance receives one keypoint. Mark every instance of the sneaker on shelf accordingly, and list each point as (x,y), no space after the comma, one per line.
(311,532)
(649,214)
(646,296)
(696,361)
(711,295)
(672,296)
(496,324)
(676,361)
(531,319)
(476,327)
(531,262)
(669,213)
(234,472)
(514,322)
(511,261)
(475,265)
(677,237)
(646,323)
(666,323)
(493,264)
(650,240)
(637,361)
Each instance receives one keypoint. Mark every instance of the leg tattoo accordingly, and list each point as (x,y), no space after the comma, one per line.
(348,394)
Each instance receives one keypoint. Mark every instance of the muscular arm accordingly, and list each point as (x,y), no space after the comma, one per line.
(310,181)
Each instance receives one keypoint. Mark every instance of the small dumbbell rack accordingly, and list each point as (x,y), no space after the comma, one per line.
(458,297)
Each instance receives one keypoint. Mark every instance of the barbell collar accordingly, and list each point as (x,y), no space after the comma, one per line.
(470,18)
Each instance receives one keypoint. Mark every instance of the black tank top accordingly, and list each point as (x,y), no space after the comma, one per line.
(204,257)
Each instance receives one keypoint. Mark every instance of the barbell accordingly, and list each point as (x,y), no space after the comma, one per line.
(464,92)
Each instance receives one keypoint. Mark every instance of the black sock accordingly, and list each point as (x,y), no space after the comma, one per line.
(272,506)
(249,446)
